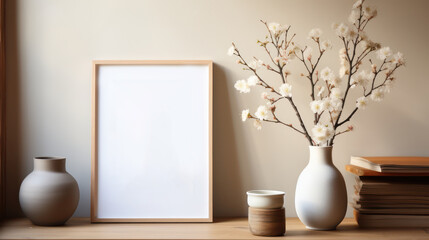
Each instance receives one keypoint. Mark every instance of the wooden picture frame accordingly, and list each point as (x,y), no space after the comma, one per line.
(152,141)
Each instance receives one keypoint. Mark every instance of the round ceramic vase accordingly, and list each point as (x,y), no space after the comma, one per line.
(321,195)
(49,195)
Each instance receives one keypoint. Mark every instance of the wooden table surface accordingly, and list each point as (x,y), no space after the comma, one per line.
(229,228)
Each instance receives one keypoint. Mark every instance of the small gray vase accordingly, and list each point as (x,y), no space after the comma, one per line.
(49,195)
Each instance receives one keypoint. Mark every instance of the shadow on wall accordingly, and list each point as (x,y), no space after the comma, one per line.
(227,184)
(14,166)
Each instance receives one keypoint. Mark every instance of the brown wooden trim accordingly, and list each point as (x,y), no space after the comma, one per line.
(94,140)
(94,147)
(2,108)
(210,63)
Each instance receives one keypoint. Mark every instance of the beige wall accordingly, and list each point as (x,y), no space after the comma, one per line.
(51,43)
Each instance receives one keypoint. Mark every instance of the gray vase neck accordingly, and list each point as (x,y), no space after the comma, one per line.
(320,155)
(51,164)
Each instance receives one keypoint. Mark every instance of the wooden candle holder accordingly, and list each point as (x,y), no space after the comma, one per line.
(267,222)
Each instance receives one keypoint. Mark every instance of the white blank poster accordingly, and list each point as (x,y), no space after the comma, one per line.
(153,141)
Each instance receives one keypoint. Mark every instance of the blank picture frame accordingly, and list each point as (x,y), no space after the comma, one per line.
(152,141)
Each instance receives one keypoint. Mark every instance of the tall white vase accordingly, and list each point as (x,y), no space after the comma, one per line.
(321,195)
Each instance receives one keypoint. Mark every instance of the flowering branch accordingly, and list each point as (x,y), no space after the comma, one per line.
(326,92)
(281,60)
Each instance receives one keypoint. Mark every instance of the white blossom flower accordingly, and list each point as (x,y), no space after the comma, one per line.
(357,4)
(362,79)
(322,133)
(354,16)
(336,104)
(286,90)
(336,93)
(365,44)
(332,104)
(257,124)
(335,81)
(318,129)
(370,44)
(317,106)
(335,114)
(351,35)
(276,28)
(362,102)
(245,115)
(377,95)
(320,139)
(369,12)
(342,30)
(326,44)
(383,53)
(231,51)
(256,64)
(262,112)
(343,57)
(344,71)
(363,36)
(294,51)
(252,80)
(326,74)
(242,86)
(315,33)
(398,58)
(327,104)
(264,95)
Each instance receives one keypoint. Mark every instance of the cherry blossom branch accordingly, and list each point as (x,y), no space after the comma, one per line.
(372,89)
(269,54)
(342,132)
(300,121)
(355,43)
(275,43)
(237,53)
(264,84)
(348,118)
(388,74)
(311,74)
(334,103)
(349,84)
(276,120)
(289,125)
(362,56)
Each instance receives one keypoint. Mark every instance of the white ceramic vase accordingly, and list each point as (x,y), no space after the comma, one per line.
(49,195)
(321,195)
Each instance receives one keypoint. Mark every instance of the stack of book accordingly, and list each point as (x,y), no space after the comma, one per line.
(391,191)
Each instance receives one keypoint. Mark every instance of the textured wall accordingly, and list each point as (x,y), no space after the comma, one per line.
(50,46)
